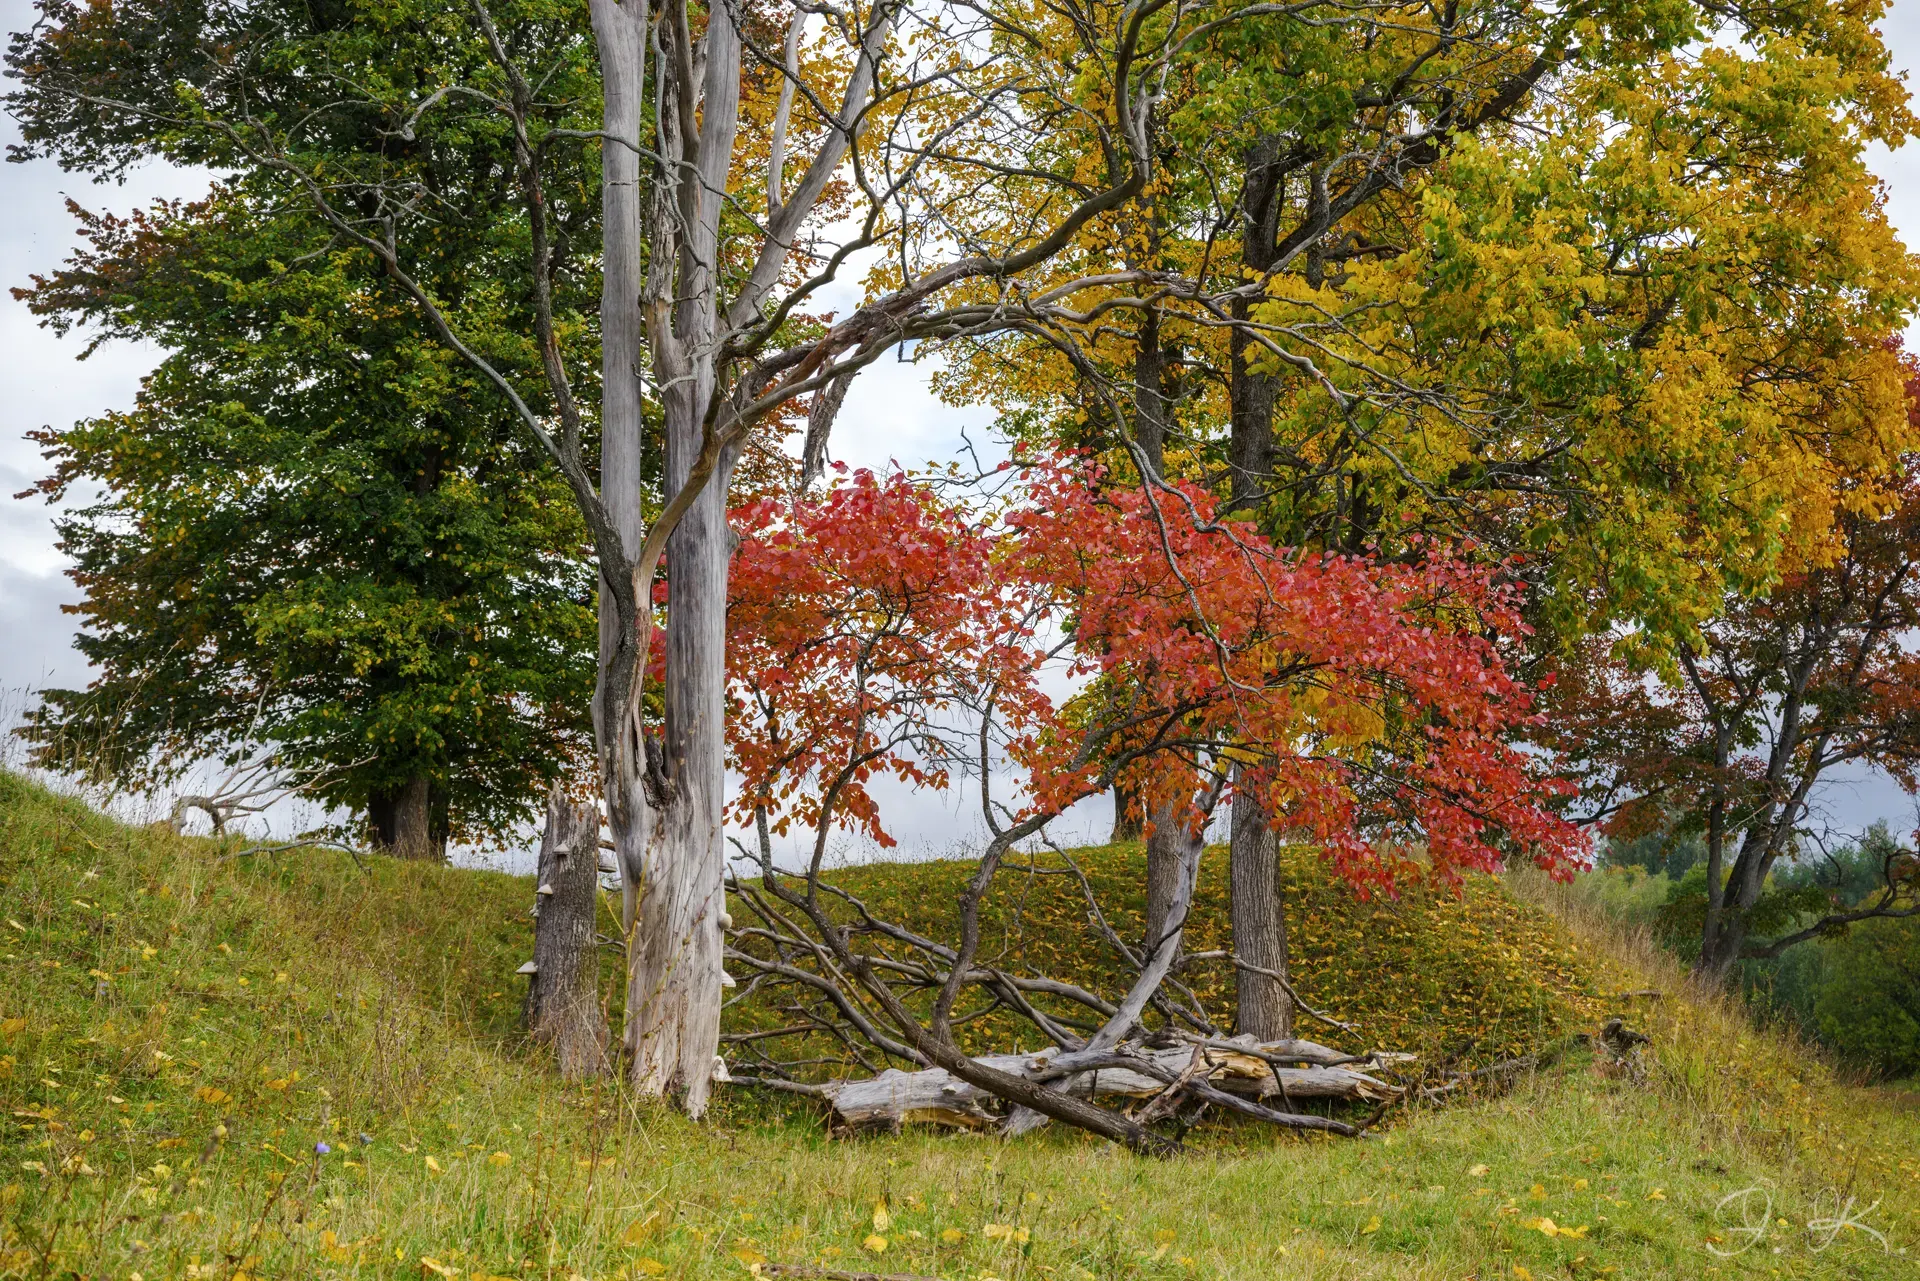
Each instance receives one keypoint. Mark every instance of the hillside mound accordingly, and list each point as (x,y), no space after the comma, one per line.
(221,1065)
(1463,978)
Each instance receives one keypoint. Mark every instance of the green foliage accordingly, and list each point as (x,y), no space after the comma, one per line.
(1657,853)
(1848,874)
(315,528)
(1856,993)
(1868,1010)
(1778,909)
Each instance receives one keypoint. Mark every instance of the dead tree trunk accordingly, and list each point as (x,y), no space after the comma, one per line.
(1242,1070)
(1258,905)
(563,988)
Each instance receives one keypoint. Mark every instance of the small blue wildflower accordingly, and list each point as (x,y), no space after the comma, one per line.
(321,1149)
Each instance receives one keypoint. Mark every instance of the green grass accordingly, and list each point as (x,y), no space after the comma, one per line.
(178,1031)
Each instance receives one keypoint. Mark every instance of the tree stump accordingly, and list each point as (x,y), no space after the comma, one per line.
(563,984)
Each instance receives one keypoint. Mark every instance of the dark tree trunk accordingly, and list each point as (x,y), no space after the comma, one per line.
(1250,395)
(1167,845)
(403,821)
(563,992)
(1258,909)
(1127,824)
(1151,417)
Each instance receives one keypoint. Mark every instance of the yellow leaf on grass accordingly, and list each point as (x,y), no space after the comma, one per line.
(640,1229)
(13,1026)
(952,1236)
(208,1094)
(881,1219)
(997,1231)
(1479,1171)
(1521,1274)
(1538,1192)
(875,1244)
(1579,1185)
(433,1165)
(749,1256)
(652,1267)
(438,1268)
(500,1158)
(279,1083)
(1373,1225)
(1544,1226)
(1658,1194)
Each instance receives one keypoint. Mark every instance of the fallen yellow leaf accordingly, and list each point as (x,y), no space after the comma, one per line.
(433,1165)
(500,1158)
(875,1244)
(881,1219)
(1479,1171)
(435,1266)
(1373,1225)
(638,1231)
(952,1236)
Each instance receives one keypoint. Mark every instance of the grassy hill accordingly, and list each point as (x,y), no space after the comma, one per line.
(181,1031)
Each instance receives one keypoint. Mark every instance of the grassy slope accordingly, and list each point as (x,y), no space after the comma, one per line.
(178,1032)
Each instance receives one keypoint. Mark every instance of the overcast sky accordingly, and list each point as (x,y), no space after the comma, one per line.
(888,416)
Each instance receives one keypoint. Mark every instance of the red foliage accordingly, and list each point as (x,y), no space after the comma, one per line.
(872,630)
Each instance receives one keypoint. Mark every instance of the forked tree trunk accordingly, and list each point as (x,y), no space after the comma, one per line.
(563,992)
(673,956)
(1259,925)
(665,821)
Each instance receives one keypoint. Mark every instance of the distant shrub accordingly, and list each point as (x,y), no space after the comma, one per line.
(1857,993)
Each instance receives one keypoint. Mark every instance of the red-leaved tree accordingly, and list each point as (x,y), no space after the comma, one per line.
(884,630)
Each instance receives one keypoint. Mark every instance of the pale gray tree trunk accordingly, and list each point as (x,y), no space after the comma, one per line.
(563,992)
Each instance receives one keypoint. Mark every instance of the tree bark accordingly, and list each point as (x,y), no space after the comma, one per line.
(403,823)
(1166,845)
(563,992)
(1126,815)
(676,898)
(936,1096)
(1258,912)
(1250,396)
(663,799)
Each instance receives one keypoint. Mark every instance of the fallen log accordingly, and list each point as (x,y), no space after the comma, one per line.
(1245,1070)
